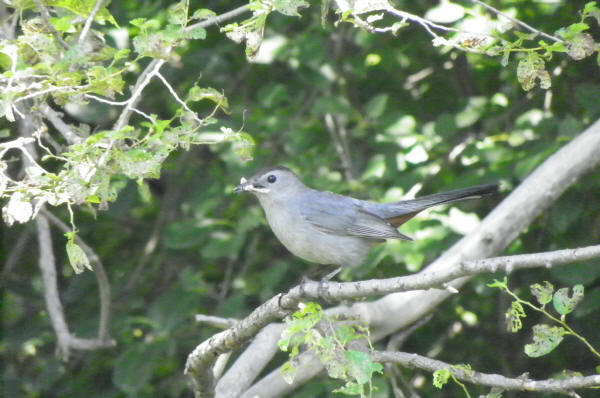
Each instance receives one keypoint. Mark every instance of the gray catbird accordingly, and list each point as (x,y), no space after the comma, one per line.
(327,228)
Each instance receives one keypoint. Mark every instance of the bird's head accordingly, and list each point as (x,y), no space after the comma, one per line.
(271,182)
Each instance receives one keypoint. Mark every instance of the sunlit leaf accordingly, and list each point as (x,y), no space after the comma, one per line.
(545,339)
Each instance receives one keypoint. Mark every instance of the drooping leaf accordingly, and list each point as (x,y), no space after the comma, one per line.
(545,339)
(563,303)
(543,294)
(77,257)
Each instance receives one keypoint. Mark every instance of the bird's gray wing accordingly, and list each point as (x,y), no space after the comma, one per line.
(340,215)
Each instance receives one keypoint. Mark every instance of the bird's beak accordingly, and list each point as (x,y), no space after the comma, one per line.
(246,186)
(243,186)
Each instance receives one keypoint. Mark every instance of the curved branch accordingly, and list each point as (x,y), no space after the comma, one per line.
(66,340)
(101,279)
(495,233)
(416,361)
(201,360)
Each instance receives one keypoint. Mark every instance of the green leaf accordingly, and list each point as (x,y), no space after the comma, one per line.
(201,93)
(545,339)
(77,257)
(565,304)
(250,31)
(288,372)
(499,284)
(203,13)
(513,317)
(61,24)
(531,69)
(590,7)
(347,333)
(196,34)
(376,106)
(178,13)
(441,377)
(84,8)
(360,366)
(543,294)
(289,7)
(580,46)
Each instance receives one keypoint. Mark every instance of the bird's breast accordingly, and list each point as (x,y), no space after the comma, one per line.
(306,241)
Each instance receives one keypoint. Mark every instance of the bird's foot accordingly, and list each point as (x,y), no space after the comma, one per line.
(322,289)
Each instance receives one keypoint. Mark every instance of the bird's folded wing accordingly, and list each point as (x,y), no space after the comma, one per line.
(348,219)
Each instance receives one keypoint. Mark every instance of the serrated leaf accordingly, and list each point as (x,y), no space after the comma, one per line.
(543,294)
(580,46)
(77,257)
(84,8)
(503,284)
(565,304)
(441,377)
(196,34)
(545,339)
(289,7)
(201,93)
(203,13)
(250,31)
(178,13)
(360,366)
(532,69)
(513,317)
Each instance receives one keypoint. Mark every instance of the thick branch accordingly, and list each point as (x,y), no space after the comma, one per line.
(201,359)
(491,380)
(494,234)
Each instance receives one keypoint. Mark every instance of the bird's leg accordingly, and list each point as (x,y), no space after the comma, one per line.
(325,279)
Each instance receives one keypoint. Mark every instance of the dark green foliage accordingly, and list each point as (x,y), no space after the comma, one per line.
(369,115)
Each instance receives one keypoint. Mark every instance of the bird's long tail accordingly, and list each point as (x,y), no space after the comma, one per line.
(404,210)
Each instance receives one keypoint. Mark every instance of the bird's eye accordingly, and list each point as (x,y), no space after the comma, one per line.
(271,178)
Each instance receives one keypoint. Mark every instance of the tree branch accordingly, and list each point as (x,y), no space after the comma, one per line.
(66,341)
(518,22)
(89,21)
(495,233)
(202,358)
(220,18)
(416,361)
(101,279)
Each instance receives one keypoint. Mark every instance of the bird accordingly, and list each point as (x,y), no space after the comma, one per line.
(331,229)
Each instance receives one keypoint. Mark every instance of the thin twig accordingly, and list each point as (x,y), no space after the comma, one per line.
(518,22)
(179,100)
(57,121)
(216,321)
(46,18)
(88,22)
(491,380)
(220,18)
